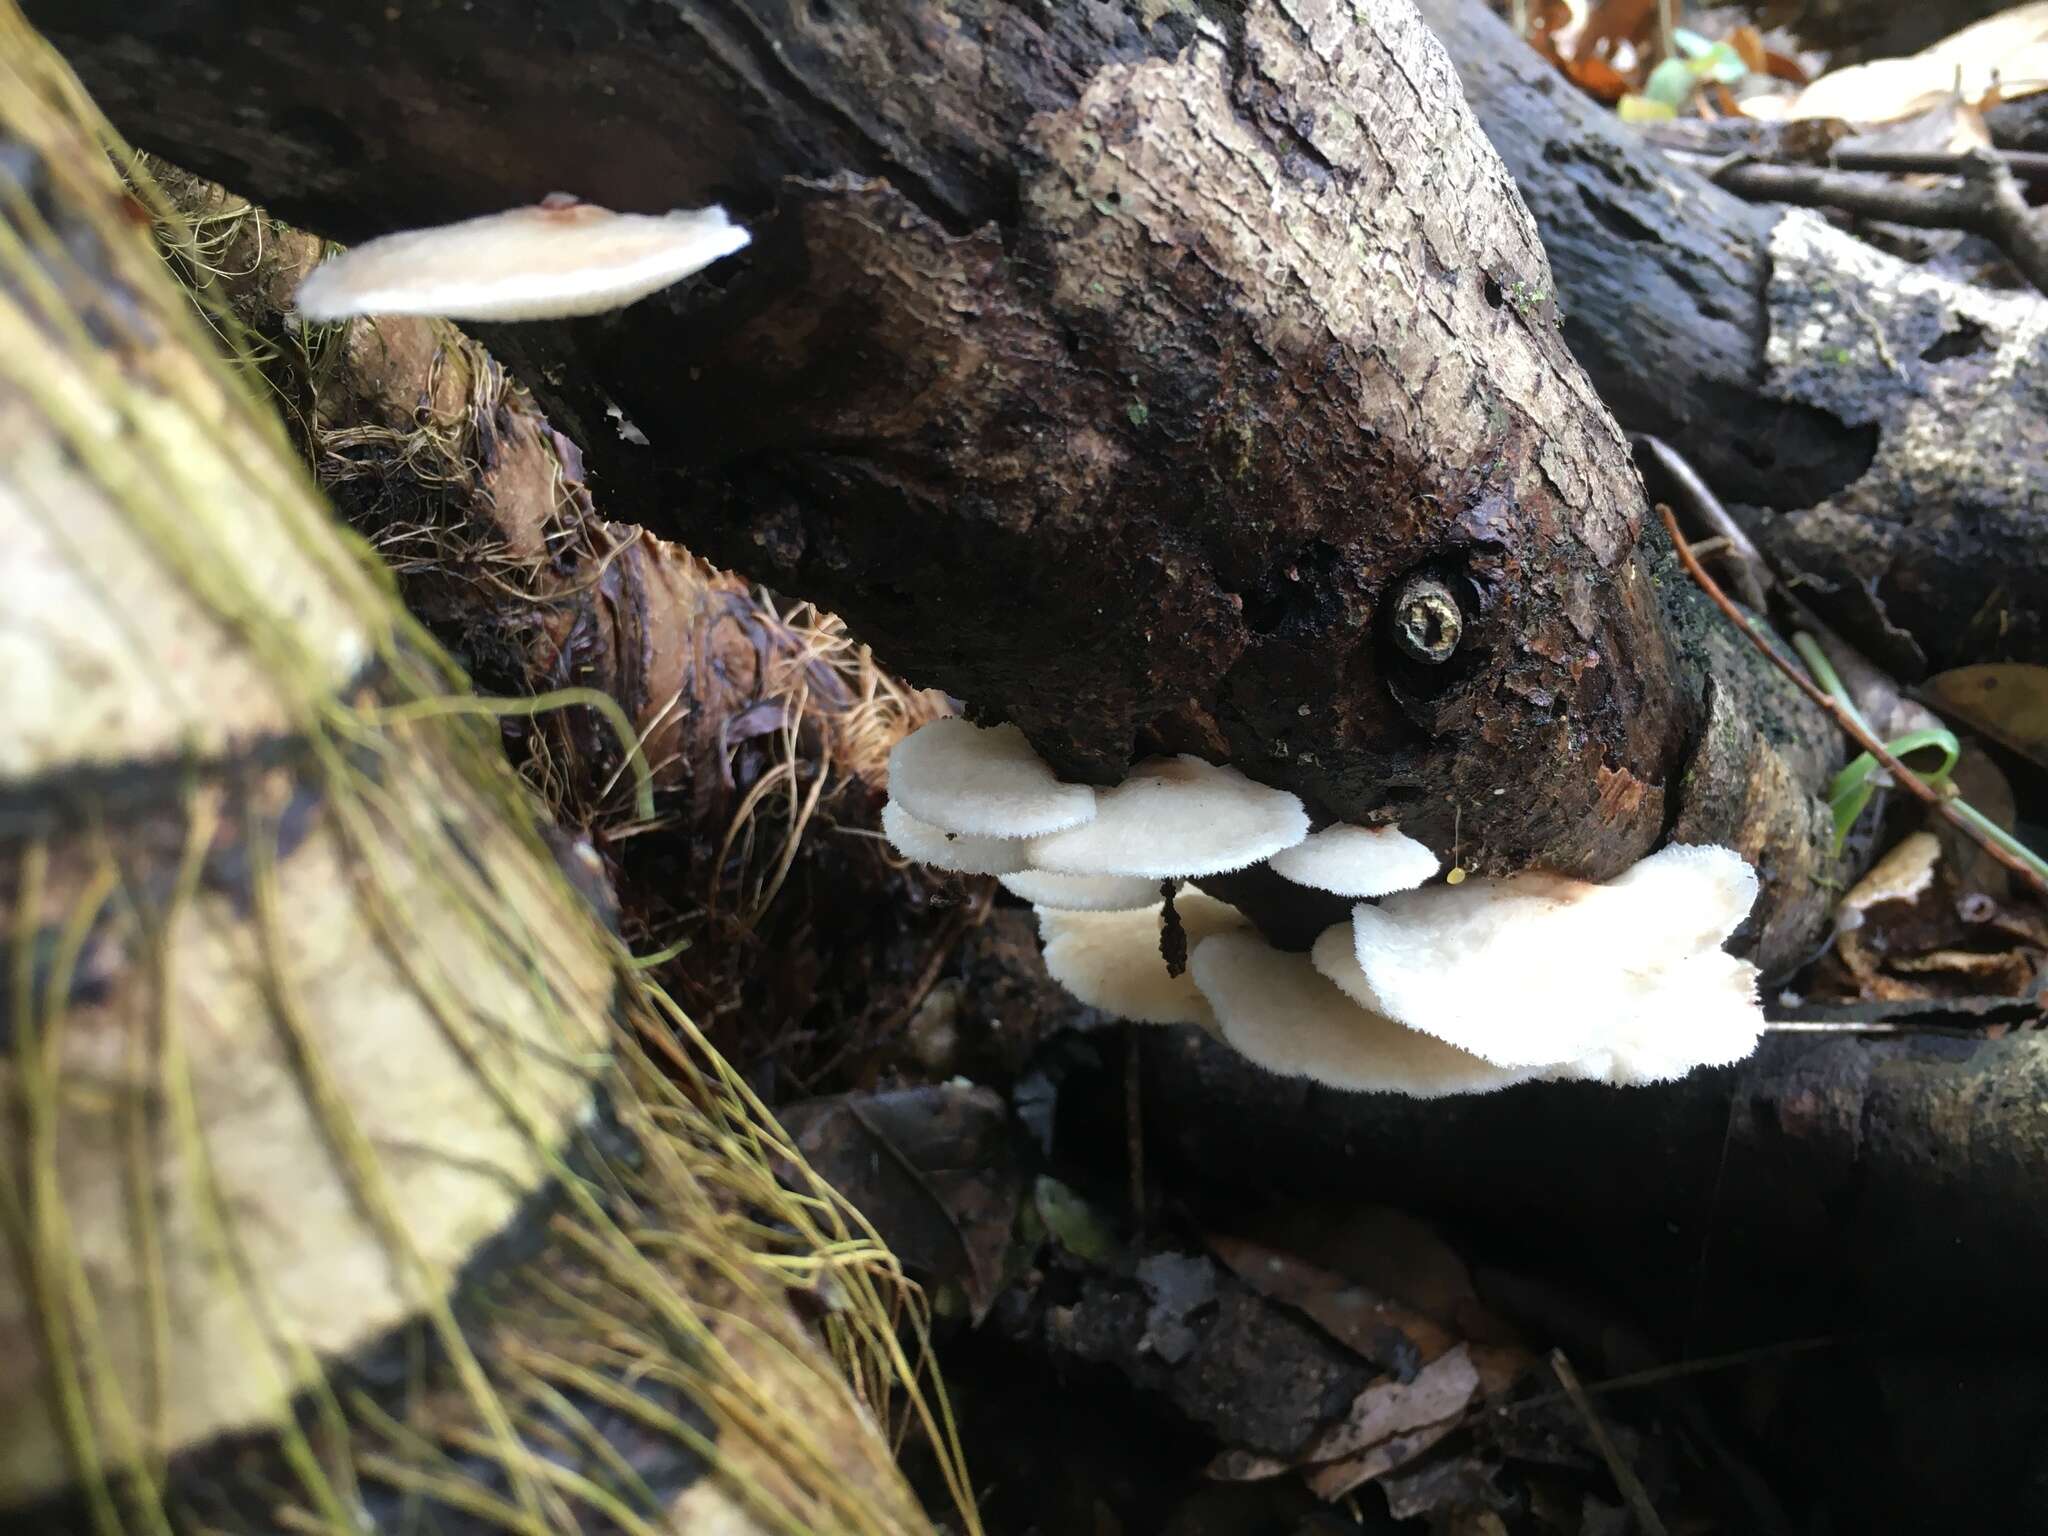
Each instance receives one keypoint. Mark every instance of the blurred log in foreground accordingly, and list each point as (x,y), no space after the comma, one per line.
(334,1184)
(766,726)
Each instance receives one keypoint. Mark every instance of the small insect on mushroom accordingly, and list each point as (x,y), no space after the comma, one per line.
(561,257)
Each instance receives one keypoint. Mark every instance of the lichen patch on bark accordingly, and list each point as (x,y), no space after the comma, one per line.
(1932,552)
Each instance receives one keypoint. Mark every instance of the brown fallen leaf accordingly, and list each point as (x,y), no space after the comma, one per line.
(932,1168)
(1610,25)
(1446,1487)
(1335,1479)
(1395,1337)
(2006,701)
(1441,1390)
(1748,44)
(1905,932)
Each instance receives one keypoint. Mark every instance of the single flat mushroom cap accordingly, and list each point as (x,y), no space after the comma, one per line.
(1279,1012)
(961,852)
(560,257)
(1357,861)
(1112,961)
(1083,893)
(983,780)
(1176,818)
(1537,969)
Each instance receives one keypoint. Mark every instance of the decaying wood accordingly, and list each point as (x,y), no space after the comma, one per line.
(1114,378)
(765,727)
(1881,426)
(319,1105)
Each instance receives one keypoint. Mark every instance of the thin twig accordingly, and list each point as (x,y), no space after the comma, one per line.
(1851,1027)
(1905,777)
(1985,200)
(1624,1475)
(2030,163)
(1752,574)
(1663,1375)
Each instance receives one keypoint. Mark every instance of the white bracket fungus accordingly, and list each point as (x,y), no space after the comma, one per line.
(1083,893)
(961,853)
(1625,981)
(1277,1010)
(561,257)
(1438,990)
(1356,861)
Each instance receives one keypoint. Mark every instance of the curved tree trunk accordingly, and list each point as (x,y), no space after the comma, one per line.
(328,1165)
(1112,370)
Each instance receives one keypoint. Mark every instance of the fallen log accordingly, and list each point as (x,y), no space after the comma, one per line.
(1119,379)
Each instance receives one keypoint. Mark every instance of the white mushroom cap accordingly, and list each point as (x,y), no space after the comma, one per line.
(1538,969)
(1357,861)
(1706,1016)
(961,852)
(985,780)
(1112,961)
(1083,893)
(1176,818)
(559,258)
(1279,1012)
(1704,892)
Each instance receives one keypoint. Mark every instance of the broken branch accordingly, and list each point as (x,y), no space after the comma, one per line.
(1985,201)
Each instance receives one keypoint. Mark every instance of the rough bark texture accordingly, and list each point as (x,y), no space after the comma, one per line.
(767,730)
(1109,366)
(1875,423)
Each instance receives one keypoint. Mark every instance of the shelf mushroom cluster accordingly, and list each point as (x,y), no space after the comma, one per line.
(1426,990)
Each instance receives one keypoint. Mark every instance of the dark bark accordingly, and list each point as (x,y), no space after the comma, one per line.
(1827,1184)
(1883,1196)
(1850,30)
(1111,375)
(2021,123)
(1881,428)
